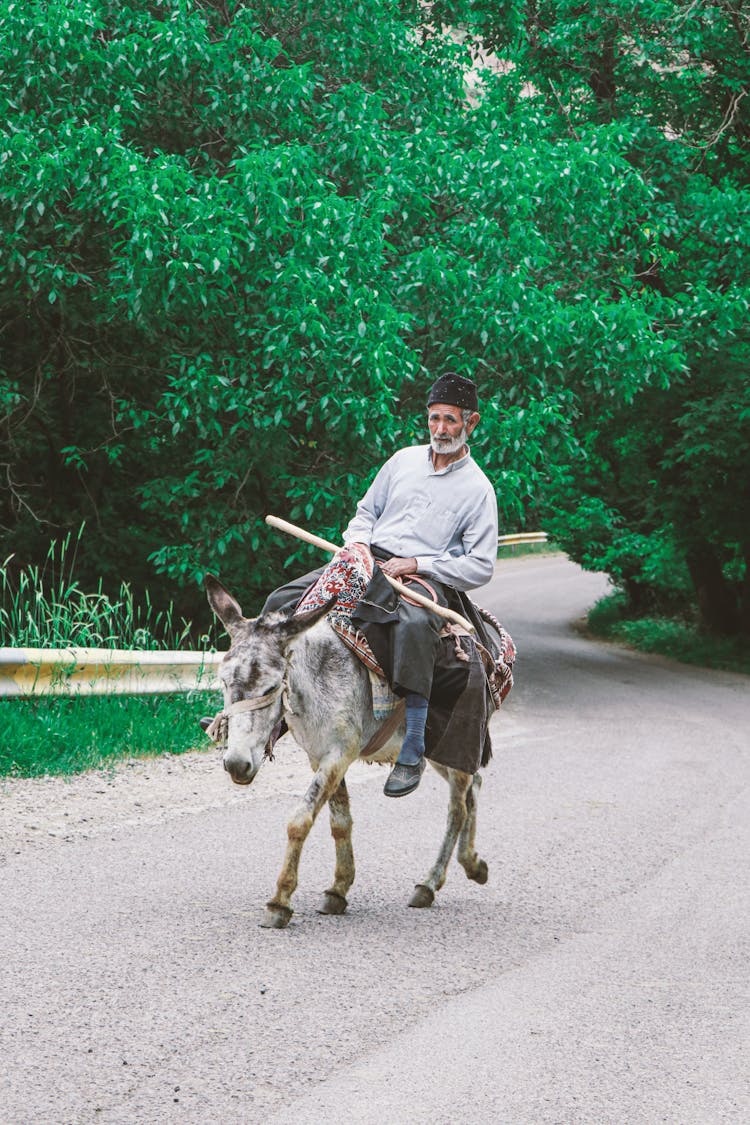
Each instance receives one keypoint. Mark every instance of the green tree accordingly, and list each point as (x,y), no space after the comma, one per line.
(193,327)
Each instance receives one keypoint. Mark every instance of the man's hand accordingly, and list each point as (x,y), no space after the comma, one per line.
(397,568)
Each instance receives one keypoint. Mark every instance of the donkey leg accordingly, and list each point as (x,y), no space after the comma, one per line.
(334,899)
(424,893)
(474,867)
(325,782)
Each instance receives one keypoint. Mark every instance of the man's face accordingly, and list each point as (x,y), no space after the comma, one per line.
(448,432)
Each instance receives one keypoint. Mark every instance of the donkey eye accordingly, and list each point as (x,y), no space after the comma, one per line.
(269,690)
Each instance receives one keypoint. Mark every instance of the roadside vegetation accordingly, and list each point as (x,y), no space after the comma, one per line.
(63,736)
(676,637)
(520,550)
(45,607)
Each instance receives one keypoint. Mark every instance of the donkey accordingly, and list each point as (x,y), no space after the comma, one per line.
(298,669)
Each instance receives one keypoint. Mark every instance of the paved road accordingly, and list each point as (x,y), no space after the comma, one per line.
(601,975)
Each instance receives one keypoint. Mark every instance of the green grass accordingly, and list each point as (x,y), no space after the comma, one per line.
(45,607)
(63,736)
(678,639)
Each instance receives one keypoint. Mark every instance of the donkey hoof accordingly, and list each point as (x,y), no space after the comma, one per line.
(275,917)
(423,896)
(482,873)
(332,903)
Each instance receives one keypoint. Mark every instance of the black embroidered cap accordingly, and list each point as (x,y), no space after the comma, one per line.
(454,390)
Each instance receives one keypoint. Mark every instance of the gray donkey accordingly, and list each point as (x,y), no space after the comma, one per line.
(298,668)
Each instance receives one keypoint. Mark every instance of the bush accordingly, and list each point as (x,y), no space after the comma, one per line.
(677,638)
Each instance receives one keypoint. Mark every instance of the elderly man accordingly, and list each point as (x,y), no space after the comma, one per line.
(430,512)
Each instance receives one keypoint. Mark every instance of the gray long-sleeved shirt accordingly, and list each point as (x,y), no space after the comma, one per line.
(446,520)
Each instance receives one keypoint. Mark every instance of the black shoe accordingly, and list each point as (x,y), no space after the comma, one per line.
(403,779)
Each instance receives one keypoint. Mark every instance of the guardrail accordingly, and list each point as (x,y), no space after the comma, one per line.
(520,538)
(30,672)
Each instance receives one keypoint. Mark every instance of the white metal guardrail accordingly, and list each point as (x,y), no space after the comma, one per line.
(520,538)
(101,671)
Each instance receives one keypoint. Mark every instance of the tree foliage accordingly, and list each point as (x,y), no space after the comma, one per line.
(656,488)
(238,241)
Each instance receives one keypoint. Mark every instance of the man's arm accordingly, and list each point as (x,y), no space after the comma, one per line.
(369,509)
(477,563)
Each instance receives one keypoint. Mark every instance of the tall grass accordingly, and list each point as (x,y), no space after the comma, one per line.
(45,607)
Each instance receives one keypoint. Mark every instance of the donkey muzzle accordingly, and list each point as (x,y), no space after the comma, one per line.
(241,770)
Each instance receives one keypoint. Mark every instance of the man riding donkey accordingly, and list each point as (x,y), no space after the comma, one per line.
(429,516)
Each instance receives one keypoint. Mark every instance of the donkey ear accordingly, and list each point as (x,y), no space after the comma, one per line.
(225,607)
(295,624)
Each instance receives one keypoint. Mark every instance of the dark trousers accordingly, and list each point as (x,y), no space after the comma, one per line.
(287,598)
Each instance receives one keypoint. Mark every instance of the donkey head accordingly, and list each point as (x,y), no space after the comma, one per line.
(253,677)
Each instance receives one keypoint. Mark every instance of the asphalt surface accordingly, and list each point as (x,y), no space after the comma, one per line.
(600,976)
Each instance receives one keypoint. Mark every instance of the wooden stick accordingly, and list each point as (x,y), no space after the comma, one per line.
(300,533)
(316,541)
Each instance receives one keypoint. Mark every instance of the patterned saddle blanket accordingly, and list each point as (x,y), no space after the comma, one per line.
(345,578)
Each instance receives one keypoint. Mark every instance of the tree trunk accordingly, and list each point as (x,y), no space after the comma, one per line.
(716,602)
(639,598)
(601,79)
(744,598)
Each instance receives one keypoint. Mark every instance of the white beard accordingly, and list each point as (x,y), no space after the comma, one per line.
(449,445)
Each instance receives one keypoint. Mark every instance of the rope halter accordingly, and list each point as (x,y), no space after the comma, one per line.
(218,731)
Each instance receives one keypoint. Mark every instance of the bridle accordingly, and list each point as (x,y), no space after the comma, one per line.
(218,731)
